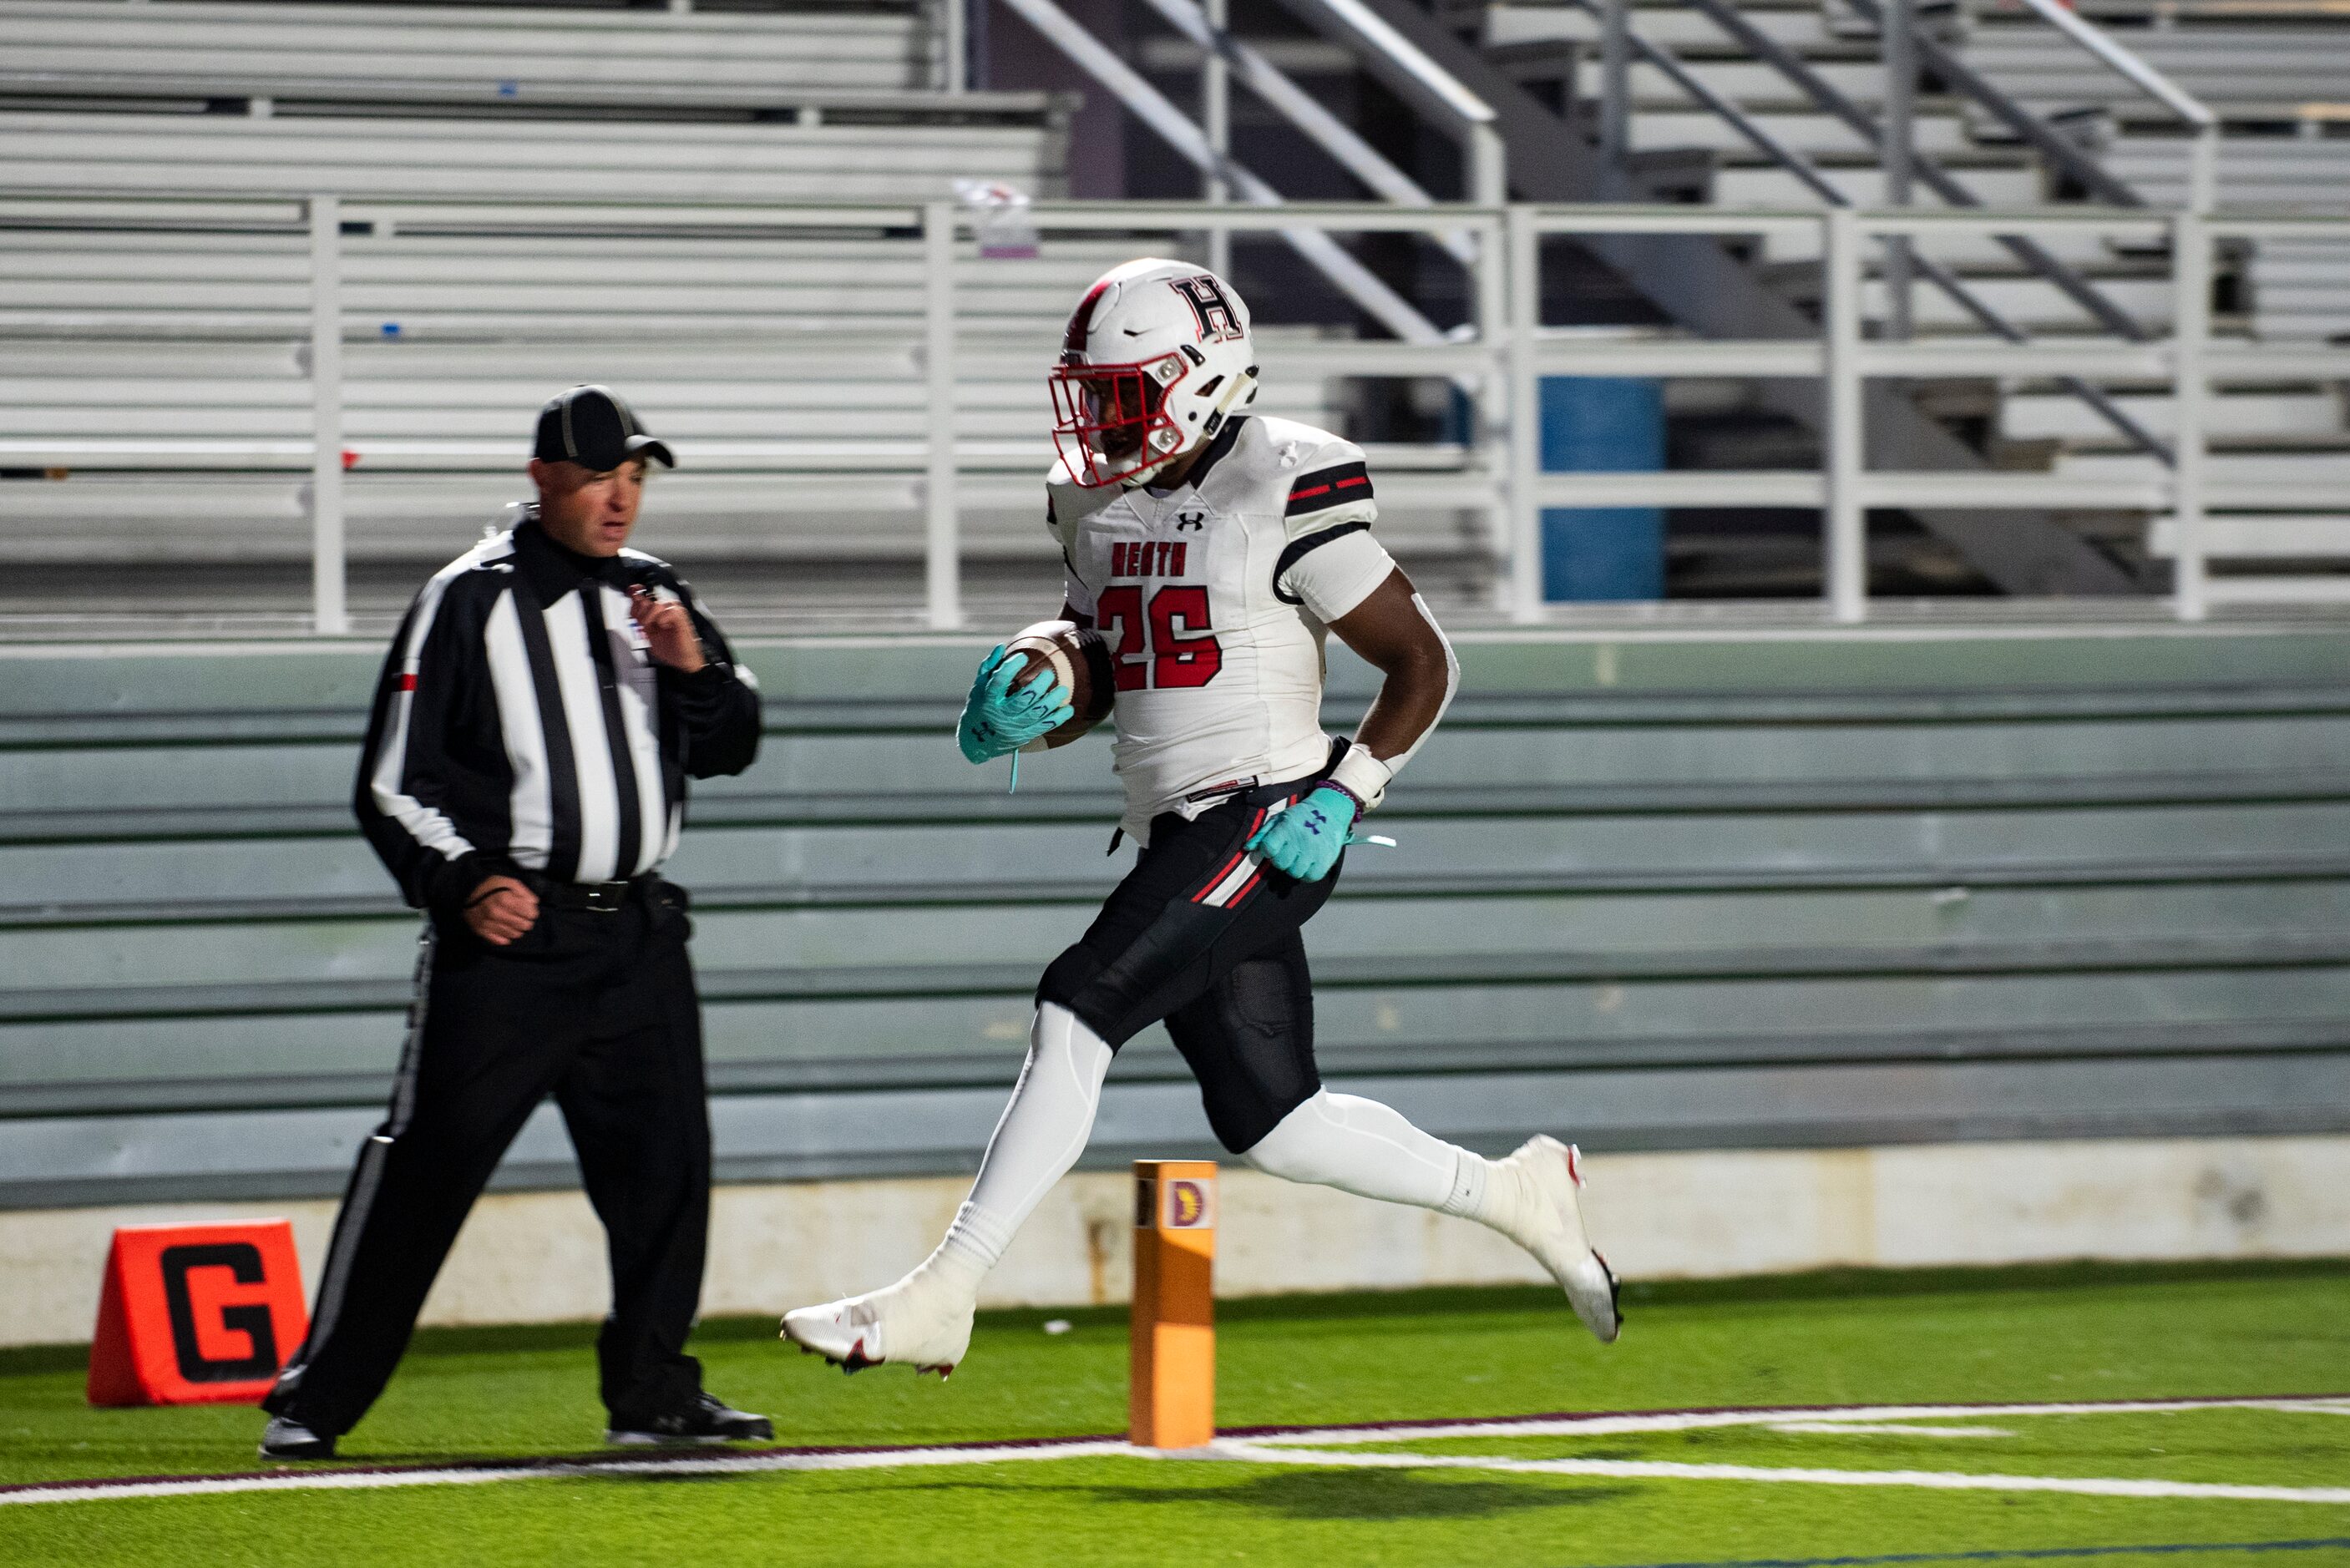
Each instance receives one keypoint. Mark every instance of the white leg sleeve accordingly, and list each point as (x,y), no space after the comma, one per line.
(1043,1131)
(1362,1146)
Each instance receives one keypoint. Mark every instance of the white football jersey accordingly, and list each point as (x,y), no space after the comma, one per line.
(1215,599)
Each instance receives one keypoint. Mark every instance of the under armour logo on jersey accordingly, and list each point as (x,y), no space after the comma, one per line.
(1220,321)
(1190,520)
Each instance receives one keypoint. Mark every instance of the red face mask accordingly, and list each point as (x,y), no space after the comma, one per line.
(1104,416)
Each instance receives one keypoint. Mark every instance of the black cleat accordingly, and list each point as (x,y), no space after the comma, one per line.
(287,1438)
(708,1419)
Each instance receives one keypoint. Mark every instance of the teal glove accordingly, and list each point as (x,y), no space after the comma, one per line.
(997,719)
(1306,840)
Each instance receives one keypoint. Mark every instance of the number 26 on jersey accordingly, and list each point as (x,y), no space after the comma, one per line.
(1163,642)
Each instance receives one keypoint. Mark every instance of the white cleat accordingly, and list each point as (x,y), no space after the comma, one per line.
(923,1320)
(1548,1220)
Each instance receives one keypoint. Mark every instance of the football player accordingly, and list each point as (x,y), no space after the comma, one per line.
(1215,550)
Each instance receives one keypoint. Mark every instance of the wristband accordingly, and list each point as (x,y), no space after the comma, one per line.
(1362,775)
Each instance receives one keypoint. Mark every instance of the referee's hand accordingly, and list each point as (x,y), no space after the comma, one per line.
(501,910)
(669,631)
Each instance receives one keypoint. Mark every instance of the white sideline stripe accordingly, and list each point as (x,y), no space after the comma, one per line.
(727,1464)
(1692,1420)
(1309,1446)
(1659,1469)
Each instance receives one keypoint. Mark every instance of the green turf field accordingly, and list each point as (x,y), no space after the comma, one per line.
(1640,1492)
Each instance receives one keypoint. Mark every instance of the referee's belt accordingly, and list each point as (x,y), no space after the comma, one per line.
(603,898)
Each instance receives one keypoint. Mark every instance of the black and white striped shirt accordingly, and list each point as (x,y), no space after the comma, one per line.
(521,723)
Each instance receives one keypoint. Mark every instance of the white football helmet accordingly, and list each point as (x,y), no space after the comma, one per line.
(1156,358)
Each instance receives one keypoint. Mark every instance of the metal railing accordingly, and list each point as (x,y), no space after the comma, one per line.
(2202,124)
(1228,56)
(1889,137)
(1432,91)
(1500,360)
(1875,134)
(1364,288)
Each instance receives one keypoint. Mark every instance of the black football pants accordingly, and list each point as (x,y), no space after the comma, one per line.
(1204,936)
(599,1010)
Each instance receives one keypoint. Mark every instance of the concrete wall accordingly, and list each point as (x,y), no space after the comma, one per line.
(538,1256)
(1678,888)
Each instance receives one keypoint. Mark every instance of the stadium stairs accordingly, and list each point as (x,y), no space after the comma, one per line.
(1539,61)
(1665,890)
(2278,76)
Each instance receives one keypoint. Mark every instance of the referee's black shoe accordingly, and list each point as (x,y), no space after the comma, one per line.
(706,1420)
(287,1438)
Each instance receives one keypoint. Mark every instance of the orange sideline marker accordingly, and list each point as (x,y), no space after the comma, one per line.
(1172,1348)
(195,1315)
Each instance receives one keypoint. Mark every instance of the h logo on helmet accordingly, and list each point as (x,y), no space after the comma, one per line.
(1219,321)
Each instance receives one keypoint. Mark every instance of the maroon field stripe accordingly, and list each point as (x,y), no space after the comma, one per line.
(556,1463)
(603,1456)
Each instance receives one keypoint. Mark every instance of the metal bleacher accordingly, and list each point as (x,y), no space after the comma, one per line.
(157,356)
(525,54)
(1777,102)
(157,365)
(1669,890)
(452,154)
(2298,289)
(779,362)
(2278,76)
(2252,65)
(180,96)
(164,375)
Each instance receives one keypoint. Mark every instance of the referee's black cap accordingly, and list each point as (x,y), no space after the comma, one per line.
(593,427)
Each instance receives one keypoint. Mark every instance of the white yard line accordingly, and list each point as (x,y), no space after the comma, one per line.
(1646,1469)
(1692,1420)
(1311,1447)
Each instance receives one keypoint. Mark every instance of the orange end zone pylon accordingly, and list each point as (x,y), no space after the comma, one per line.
(195,1315)
(1171,1392)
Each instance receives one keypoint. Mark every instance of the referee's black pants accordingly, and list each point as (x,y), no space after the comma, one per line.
(596,1008)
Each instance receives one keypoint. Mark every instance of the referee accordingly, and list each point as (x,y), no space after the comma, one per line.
(524,779)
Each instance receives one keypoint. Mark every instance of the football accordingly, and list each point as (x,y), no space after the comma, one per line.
(1079,658)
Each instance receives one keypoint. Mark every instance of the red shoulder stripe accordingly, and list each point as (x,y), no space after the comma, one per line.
(1328,487)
